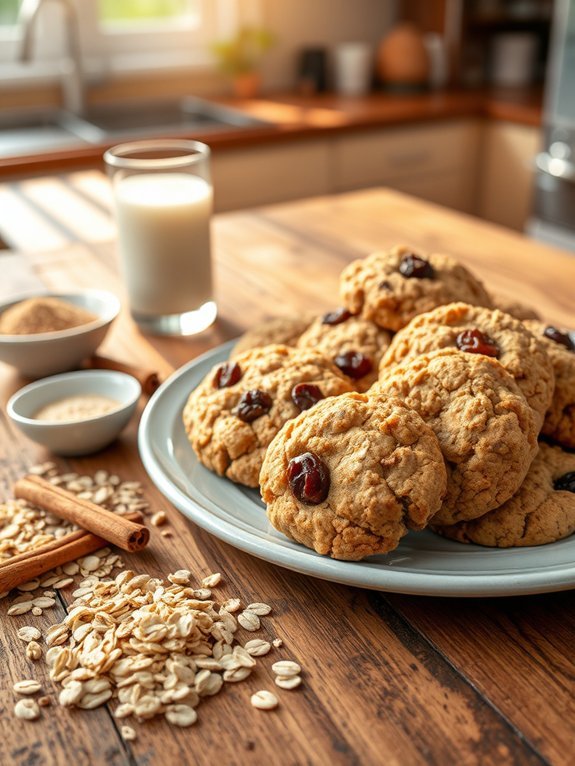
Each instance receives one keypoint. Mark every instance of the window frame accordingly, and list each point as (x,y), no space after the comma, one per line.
(115,52)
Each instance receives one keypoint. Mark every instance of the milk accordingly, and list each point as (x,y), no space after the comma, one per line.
(164,236)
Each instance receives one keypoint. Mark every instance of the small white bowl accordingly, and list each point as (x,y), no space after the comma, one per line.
(80,437)
(46,353)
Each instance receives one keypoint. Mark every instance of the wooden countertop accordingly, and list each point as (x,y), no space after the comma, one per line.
(293,118)
(388,678)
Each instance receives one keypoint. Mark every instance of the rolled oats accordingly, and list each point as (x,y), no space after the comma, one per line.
(27,687)
(181,715)
(212,580)
(286,668)
(28,633)
(158,519)
(27,709)
(249,621)
(288,682)
(33,651)
(264,700)
(257,648)
(258,608)
(128,733)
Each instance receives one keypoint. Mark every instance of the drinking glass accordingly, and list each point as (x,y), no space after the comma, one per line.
(163,202)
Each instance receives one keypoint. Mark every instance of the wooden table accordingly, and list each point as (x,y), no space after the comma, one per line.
(389,679)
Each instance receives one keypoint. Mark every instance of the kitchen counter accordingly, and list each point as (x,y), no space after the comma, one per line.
(293,118)
(388,678)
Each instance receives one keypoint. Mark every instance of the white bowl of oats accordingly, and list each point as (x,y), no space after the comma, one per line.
(75,413)
(46,333)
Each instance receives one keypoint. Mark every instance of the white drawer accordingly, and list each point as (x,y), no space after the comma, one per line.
(379,157)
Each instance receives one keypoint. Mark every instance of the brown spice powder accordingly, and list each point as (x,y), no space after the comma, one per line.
(36,315)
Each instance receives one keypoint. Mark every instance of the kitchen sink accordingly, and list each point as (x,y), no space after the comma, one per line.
(35,131)
(31,131)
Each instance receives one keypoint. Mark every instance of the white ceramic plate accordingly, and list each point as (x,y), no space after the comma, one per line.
(423,564)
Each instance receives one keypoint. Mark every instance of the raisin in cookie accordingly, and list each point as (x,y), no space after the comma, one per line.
(541,512)
(354,344)
(283,331)
(352,475)
(478,330)
(235,412)
(390,288)
(559,423)
(486,430)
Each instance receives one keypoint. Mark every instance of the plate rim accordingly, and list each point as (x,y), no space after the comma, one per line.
(305,561)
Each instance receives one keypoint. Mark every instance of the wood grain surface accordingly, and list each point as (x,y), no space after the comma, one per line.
(388,679)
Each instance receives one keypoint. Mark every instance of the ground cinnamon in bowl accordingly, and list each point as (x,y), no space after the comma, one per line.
(38,315)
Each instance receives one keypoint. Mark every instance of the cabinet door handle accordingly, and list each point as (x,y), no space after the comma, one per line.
(555,167)
(411,158)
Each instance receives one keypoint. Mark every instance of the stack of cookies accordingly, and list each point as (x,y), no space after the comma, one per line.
(416,404)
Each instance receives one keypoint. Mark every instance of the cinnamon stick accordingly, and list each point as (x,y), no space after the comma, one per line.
(27,566)
(113,528)
(147,379)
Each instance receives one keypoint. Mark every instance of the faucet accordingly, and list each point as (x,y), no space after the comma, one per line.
(72,81)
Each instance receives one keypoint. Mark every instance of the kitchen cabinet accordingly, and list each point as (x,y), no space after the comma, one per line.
(437,162)
(506,173)
(259,176)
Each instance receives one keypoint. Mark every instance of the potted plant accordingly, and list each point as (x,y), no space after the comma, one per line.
(240,57)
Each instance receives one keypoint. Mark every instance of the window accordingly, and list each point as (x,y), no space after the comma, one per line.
(119,35)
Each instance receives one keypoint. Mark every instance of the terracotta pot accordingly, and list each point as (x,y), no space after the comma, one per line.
(402,59)
(247,85)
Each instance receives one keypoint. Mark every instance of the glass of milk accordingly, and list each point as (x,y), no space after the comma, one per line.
(163,202)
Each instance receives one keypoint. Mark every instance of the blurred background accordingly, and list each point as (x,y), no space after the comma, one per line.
(468,103)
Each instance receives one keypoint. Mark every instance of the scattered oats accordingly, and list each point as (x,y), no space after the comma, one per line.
(44,701)
(237,674)
(124,710)
(28,633)
(181,577)
(27,709)
(258,608)
(102,494)
(42,468)
(245,659)
(158,519)
(72,568)
(21,608)
(32,585)
(71,694)
(288,682)
(212,580)
(257,648)
(128,733)
(286,668)
(63,583)
(27,686)
(47,582)
(91,701)
(49,593)
(44,602)
(36,611)
(231,605)
(249,621)
(166,533)
(89,563)
(277,642)
(4,594)
(264,700)
(33,651)
(181,715)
